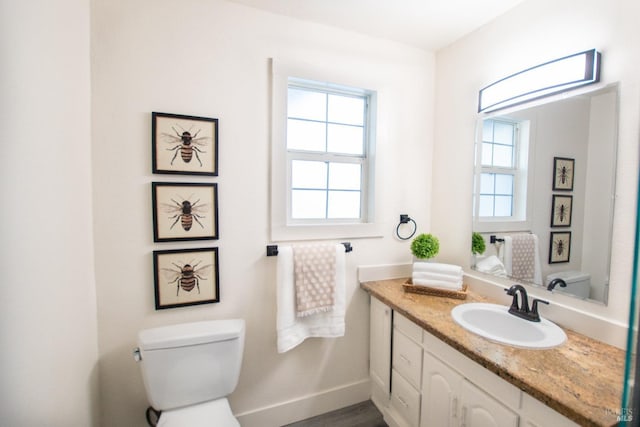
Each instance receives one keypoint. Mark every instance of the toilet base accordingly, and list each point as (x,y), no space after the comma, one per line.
(207,414)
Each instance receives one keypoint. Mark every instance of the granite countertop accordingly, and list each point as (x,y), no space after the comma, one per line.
(582,379)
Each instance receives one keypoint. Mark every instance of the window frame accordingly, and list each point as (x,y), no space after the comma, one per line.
(520,220)
(283,227)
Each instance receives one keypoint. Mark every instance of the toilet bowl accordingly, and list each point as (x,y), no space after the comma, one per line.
(578,283)
(189,369)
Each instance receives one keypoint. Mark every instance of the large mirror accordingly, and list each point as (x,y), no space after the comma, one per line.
(544,192)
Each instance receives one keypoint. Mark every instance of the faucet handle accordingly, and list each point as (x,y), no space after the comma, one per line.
(534,309)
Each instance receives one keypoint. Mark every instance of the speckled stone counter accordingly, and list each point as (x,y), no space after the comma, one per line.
(582,379)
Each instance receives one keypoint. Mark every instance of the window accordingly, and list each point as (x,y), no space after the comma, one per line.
(326,153)
(500,201)
(322,154)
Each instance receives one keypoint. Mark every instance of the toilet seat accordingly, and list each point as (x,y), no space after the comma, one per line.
(208,414)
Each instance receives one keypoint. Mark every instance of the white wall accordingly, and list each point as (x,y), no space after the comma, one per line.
(532,33)
(48,332)
(212,59)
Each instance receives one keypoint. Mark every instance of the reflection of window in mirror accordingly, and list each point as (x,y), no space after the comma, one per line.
(501,180)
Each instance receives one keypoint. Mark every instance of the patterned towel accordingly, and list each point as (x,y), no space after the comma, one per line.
(524,256)
(314,275)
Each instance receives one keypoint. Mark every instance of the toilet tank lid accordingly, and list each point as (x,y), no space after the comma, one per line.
(569,276)
(192,333)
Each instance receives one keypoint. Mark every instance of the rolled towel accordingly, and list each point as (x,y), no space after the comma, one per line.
(436,267)
(423,275)
(439,284)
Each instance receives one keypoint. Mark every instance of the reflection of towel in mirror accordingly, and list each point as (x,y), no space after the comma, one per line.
(491,265)
(521,257)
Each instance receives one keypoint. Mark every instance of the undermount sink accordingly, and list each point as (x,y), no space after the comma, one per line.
(495,323)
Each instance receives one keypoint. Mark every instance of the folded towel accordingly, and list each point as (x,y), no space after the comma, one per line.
(439,284)
(293,330)
(491,265)
(423,275)
(436,267)
(315,271)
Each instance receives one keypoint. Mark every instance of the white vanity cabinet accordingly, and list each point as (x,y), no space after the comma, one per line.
(449,400)
(380,353)
(420,381)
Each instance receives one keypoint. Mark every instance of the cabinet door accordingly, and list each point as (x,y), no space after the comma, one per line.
(481,410)
(440,391)
(380,352)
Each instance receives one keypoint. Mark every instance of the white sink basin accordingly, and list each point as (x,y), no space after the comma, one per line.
(495,323)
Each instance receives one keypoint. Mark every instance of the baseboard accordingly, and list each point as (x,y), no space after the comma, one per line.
(307,406)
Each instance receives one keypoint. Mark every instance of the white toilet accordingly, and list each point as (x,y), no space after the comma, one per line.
(578,283)
(189,369)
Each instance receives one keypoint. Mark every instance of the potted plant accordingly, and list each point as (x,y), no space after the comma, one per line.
(477,243)
(425,246)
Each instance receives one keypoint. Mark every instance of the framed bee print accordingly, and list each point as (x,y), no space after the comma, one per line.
(184,211)
(559,247)
(186,277)
(561,207)
(185,145)
(563,171)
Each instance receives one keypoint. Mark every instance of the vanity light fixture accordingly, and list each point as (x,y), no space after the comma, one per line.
(555,76)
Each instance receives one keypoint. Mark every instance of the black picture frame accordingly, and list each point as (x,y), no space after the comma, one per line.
(184,211)
(559,247)
(563,173)
(561,210)
(186,145)
(186,277)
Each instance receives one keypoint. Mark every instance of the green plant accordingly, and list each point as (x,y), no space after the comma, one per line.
(425,246)
(477,243)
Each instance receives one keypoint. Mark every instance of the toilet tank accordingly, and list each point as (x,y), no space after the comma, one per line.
(578,283)
(190,363)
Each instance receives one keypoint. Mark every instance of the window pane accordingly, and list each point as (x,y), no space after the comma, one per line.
(344,176)
(486,206)
(504,184)
(304,104)
(503,205)
(487,154)
(306,174)
(487,183)
(503,156)
(304,135)
(346,109)
(345,139)
(487,130)
(308,204)
(503,133)
(344,204)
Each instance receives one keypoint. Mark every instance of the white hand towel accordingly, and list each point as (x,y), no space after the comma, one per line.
(441,284)
(436,267)
(423,275)
(491,265)
(293,330)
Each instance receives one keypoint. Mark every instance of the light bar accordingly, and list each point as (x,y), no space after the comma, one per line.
(542,80)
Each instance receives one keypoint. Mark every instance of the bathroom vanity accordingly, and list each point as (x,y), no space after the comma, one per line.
(426,370)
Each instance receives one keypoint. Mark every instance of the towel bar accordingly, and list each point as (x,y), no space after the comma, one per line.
(272,250)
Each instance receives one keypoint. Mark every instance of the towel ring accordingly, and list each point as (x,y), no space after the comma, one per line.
(404,219)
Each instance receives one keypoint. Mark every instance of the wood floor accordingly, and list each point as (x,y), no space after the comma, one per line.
(363,414)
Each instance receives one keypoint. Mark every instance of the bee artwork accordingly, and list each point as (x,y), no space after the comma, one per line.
(186,277)
(184,144)
(561,207)
(563,172)
(184,211)
(559,247)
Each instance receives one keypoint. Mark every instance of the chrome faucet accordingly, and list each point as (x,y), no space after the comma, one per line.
(555,282)
(520,305)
